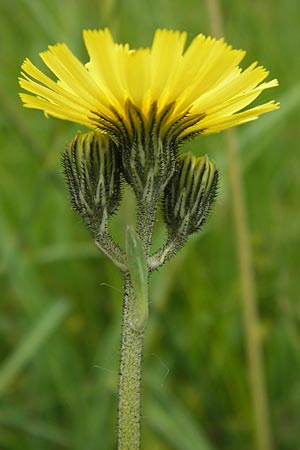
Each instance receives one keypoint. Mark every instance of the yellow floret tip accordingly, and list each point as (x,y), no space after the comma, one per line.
(204,84)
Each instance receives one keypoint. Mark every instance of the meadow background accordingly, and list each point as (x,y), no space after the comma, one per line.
(61,300)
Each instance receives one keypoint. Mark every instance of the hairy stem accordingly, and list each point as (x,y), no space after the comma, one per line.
(132,340)
(106,245)
(163,255)
(145,222)
(130,378)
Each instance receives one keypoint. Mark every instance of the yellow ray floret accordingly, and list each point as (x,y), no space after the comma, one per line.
(204,83)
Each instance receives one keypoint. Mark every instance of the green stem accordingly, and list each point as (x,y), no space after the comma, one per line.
(163,255)
(106,245)
(247,280)
(130,378)
(145,222)
(250,313)
(132,337)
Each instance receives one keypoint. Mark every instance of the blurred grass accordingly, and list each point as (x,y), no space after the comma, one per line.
(61,391)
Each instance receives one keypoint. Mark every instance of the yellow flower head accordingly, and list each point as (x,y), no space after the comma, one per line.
(185,92)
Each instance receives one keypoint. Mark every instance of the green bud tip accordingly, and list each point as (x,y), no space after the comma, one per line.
(190,194)
(92,171)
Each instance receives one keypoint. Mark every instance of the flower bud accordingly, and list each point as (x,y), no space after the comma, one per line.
(92,170)
(190,194)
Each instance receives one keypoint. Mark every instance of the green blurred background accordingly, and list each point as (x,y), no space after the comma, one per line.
(61,300)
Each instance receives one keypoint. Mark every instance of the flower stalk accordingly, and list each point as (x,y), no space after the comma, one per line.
(135,317)
(130,376)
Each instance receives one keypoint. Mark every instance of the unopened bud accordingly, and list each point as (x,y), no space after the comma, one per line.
(92,171)
(190,194)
